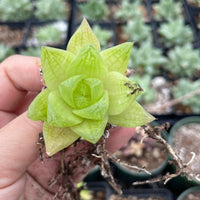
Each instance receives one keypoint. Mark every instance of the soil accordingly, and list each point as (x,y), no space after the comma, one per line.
(148,154)
(11,37)
(193,196)
(117,197)
(187,140)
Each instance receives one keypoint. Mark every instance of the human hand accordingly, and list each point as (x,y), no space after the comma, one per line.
(22,175)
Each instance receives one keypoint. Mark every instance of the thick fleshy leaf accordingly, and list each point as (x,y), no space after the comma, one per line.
(88,62)
(37,111)
(59,114)
(91,130)
(54,65)
(68,87)
(122,91)
(96,111)
(133,116)
(96,87)
(83,36)
(117,58)
(57,138)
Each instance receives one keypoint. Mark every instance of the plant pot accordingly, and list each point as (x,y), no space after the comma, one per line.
(143,194)
(129,176)
(188,144)
(189,194)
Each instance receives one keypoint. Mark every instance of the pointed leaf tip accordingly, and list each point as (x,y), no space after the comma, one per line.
(83,36)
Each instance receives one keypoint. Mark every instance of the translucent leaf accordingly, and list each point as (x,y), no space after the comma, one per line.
(96,87)
(117,58)
(57,138)
(37,111)
(91,130)
(88,62)
(59,114)
(68,87)
(54,65)
(96,111)
(122,91)
(133,116)
(83,36)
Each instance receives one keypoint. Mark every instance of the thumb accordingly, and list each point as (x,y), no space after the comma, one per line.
(18,148)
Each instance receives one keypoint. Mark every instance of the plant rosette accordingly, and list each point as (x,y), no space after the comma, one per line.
(149,154)
(192,193)
(184,138)
(85,89)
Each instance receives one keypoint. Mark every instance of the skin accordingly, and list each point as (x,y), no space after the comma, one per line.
(22,175)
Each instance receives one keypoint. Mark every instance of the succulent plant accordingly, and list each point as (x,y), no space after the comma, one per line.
(50,10)
(129,10)
(183,61)
(149,94)
(86,89)
(147,59)
(5,51)
(31,51)
(175,32)
(94,10)
(185,86)
(15,10)
(137,30)
(48,34)
(168,10)
(103,35)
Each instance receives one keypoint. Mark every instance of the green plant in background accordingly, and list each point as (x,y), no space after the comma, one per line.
(137,30)
(103,35)
(129,10)
(185,86)
(5,51)
(32,51)
(86,89)
(48,34)
(94,10)
(19,10)
(50,9)
(183,61)
(174,33)
(147,59)
(168,10)
(149,94)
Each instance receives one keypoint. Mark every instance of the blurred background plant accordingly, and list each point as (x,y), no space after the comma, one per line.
(104,36)
(168,10)
(94,10)
(11,10)
(183,87)
(31,51)
(147,59)
(50,9)
(175,32)
(5,51)
(183,61)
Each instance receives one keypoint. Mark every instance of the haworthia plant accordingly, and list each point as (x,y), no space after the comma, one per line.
(86,89)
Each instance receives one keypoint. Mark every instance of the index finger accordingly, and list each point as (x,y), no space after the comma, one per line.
(18,74)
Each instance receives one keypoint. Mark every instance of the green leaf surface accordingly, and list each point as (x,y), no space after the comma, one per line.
(122,91)
(96,111)
(37,111)
(57,138)
(67,89)
(88,62)
(54,65)
(91,130)
(83,36)
(133,116)
(116,58)
(59,114)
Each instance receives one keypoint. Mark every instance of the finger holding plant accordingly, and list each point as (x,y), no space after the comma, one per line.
(85,89)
